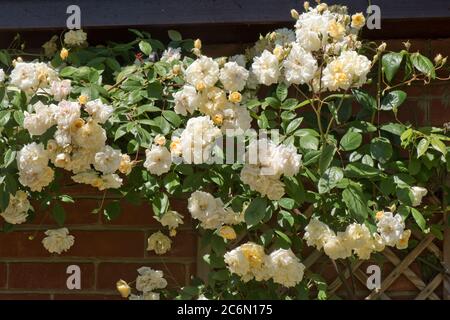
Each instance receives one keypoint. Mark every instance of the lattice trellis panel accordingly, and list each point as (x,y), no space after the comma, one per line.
(405,275)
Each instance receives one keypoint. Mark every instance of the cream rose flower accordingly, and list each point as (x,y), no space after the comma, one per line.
(159,242)
(149,280)
(158,160)
(202,73)
(58,240)
(18,207)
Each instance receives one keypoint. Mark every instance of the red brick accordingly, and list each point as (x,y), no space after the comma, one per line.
(19,244)
(3,267)
(24,296)
(439,113)
(421,45)
(107,244)
(87,244)
(109,273)
(85,296)
(184,244)
(441,46)
(414,112)
(439,89)
(191,271)
(142,214)
(221,50)
(36,276)
(79,212)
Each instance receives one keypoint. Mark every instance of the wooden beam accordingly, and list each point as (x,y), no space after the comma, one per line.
(32,14)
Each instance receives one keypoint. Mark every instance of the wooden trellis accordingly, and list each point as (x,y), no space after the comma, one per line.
(434,289)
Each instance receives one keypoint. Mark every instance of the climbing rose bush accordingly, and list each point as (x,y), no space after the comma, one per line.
(277,149)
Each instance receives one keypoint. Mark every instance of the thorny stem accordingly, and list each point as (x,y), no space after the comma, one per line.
(337,110)
(407,82)
(319,122)
(103,200)
(380,78)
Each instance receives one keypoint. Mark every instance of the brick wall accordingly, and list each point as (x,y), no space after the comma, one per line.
(105,251)
(108,251)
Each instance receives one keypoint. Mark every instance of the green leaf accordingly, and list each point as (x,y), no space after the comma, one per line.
(289,104)
(436,230)
(381,149)
(273,102)
(4,198)
(287,216)
(253,103)
(364,126)
(136,32)
(405,195)
(147,108)
(221,275)
(420,220)
(5,115)
(174,35)
(309,142)
(66,198)
(404,211)
(423,64)
(422,147)
(9,157)
(5,58)
(351,140)
(172,117)
(356,202)
(171,182)
(58,214)
(112,210)
(295,189)
(284,237)
(160,204)
(161,125)
(293,125)
(19,117)
(366,100)
(326,157)
(438,145)
(394,128)
(282,91)
(361,170)
(112,64)
(67,71)
(414,166)
(155,90)
(256,211)
(145,47)
(121,131)
(287,203)
(393,100)
(330,179)
(391,63)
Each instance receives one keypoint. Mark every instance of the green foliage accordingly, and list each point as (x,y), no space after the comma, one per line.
(353,163)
